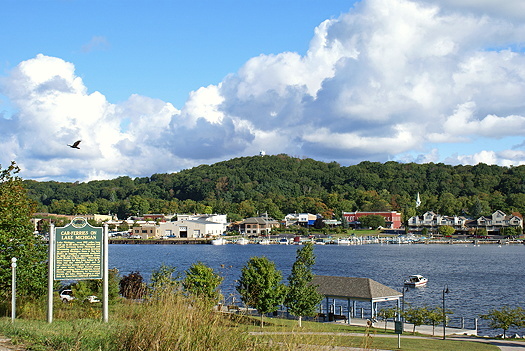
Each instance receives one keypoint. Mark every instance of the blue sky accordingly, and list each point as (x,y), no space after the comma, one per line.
(160,86)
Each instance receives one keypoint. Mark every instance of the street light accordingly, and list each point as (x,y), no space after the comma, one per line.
(13,289)
(405,289)
(445,291)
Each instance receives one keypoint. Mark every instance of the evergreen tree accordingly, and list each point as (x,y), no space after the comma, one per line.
(17,239)
(302,297)
(260,286)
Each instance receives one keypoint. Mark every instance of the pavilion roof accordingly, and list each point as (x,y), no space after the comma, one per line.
(361,289)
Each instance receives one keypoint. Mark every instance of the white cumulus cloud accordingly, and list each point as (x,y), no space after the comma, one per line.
(388,79)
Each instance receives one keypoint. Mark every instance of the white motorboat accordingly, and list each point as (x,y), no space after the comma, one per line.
(343,241)
(416,281)
(319,242)
(264,242)
(218,241)
(242,241)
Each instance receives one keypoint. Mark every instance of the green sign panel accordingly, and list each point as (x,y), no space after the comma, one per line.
(78,251)
(398,325)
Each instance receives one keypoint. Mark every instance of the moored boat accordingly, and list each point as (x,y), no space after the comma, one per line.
(218,241)
(343,241)
(242,241)
(283,241)
(264,242)
(416,280)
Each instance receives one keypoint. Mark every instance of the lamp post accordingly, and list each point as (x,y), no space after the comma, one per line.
(13,289)
(445,291)
(405,289)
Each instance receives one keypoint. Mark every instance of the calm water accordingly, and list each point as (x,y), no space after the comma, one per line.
(479,277)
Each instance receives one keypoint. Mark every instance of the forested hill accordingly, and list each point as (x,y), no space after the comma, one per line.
(282,184)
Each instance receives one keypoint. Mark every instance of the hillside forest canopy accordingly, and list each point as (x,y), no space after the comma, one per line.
(281,184)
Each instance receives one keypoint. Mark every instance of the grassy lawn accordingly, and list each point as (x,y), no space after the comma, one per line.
(172,325)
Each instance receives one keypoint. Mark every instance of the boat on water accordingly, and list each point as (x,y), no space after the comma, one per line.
(416,280)
(242,241)
(264,242)
(283,241)
(319,242)
(218,241)
(344,241)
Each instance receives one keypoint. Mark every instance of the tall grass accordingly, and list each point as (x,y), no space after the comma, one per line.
(175,322)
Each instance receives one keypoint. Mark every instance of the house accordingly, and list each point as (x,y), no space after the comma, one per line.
(494,223)
(497,221)
(257,225)
(433,221)
(146,231)
(392,218)
(306,219)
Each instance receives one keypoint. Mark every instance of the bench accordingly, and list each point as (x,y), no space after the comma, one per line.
(340,317)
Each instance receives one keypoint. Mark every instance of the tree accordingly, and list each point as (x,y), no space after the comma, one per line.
(165,280)
(435,316)
(373,221)
(505,318)
(319,223)
(17,239)
(446,230)
(302,297)
(417,316)
(387,313)
(201,281)
(260,286)
(84,288)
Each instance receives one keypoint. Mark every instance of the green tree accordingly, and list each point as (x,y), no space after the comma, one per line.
(260,286)
(435,317)
(387,313)
(417,316)
(84,288)
(505,318)
(201,281)
(17,239)
(302,297)
(373,221)
(165,279)
(446,230)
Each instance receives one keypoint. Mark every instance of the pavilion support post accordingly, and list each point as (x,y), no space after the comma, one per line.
(327,309)
(348,311)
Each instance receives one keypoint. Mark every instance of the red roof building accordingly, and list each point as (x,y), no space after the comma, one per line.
(392,218)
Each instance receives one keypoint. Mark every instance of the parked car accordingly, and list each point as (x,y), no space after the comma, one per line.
(66,295)
(92,299)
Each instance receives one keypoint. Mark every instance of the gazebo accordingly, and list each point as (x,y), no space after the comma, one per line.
(355,289)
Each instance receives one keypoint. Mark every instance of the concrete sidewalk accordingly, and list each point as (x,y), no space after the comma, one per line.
(407,328)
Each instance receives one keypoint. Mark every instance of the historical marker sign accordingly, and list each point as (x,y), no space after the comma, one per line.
(78,251)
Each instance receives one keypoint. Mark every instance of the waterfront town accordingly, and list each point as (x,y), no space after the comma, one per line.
(212,226)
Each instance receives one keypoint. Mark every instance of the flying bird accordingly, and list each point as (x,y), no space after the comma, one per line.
(75,144)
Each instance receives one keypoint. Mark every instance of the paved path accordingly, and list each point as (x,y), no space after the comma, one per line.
(504,345)
(6,345)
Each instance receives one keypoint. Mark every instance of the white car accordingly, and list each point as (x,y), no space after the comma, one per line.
(66,295)
(92,299)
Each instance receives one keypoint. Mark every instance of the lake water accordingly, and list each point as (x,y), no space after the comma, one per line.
(479,278)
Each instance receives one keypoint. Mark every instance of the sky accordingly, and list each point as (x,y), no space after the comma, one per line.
(161,86)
